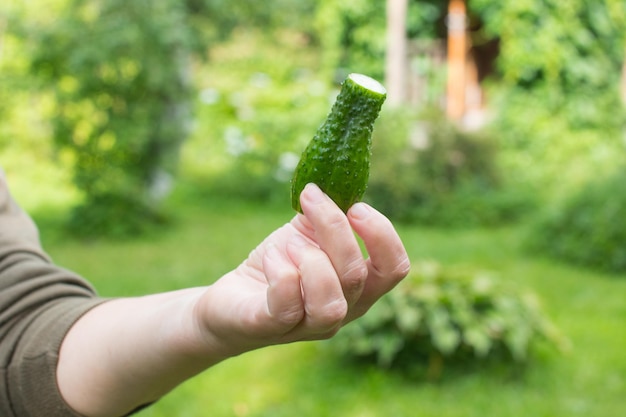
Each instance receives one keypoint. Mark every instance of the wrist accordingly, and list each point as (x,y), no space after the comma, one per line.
(225,323)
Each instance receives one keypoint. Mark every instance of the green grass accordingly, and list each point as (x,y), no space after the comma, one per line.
(209,237)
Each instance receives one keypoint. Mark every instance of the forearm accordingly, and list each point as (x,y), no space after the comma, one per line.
(129,352)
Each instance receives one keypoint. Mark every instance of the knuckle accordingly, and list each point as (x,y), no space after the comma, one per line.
(402,269)
(329,334)
(335,220)
(395,274)
(354,277)
(332,315)
(290,318)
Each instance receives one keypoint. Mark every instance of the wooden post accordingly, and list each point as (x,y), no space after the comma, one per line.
(457,49)
(396,59)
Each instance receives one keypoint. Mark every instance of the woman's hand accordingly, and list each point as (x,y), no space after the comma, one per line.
(303,282)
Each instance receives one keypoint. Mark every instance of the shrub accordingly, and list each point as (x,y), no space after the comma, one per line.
(588,228)
(449,315)
(113,216)
(556,99)
(427,170)
(118,73)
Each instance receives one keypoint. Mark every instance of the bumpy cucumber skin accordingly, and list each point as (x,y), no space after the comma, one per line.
(337,159)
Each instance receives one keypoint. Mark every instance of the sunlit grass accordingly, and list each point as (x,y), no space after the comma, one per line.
(210,236)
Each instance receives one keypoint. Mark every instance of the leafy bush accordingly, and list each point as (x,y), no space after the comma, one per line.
(118,74)
(429,171)
(556,101)
(588,228)
(449,315)
(544,150)
(113,216)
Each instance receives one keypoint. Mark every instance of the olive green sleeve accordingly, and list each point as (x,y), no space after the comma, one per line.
(39,302)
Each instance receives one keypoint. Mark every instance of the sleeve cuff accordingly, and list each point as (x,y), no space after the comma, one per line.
(32,376)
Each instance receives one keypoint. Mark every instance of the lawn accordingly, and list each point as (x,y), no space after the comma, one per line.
(209,238)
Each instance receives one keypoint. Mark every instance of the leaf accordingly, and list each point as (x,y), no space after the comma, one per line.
(408,315)
(517,341)
(446,339)
(388,345)
(479,340)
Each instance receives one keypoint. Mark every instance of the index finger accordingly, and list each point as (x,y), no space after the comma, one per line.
(329,227)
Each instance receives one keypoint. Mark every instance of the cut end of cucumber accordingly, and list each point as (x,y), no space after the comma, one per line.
(368,83)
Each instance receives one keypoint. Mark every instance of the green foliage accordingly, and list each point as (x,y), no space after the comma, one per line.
(13,80)
(117,70)
(454,315)
(554,95)
(256,113)
(119,75)
(547,153)
(556,100)
(588,228)
(426,169)
(562,121)
(340,27)
(352,33)
(113,215)
(575,46)
(116,79)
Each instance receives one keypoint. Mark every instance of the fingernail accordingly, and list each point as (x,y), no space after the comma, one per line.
(360,211)
(314,193)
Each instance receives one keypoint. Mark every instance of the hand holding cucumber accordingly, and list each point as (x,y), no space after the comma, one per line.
(306,279)
(303,282)
(310,276)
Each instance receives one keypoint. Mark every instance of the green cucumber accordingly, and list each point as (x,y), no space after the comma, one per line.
(337,159)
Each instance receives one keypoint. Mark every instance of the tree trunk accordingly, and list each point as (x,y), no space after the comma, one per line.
(396,58)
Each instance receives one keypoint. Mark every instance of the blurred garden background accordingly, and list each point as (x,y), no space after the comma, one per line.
(153,142)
